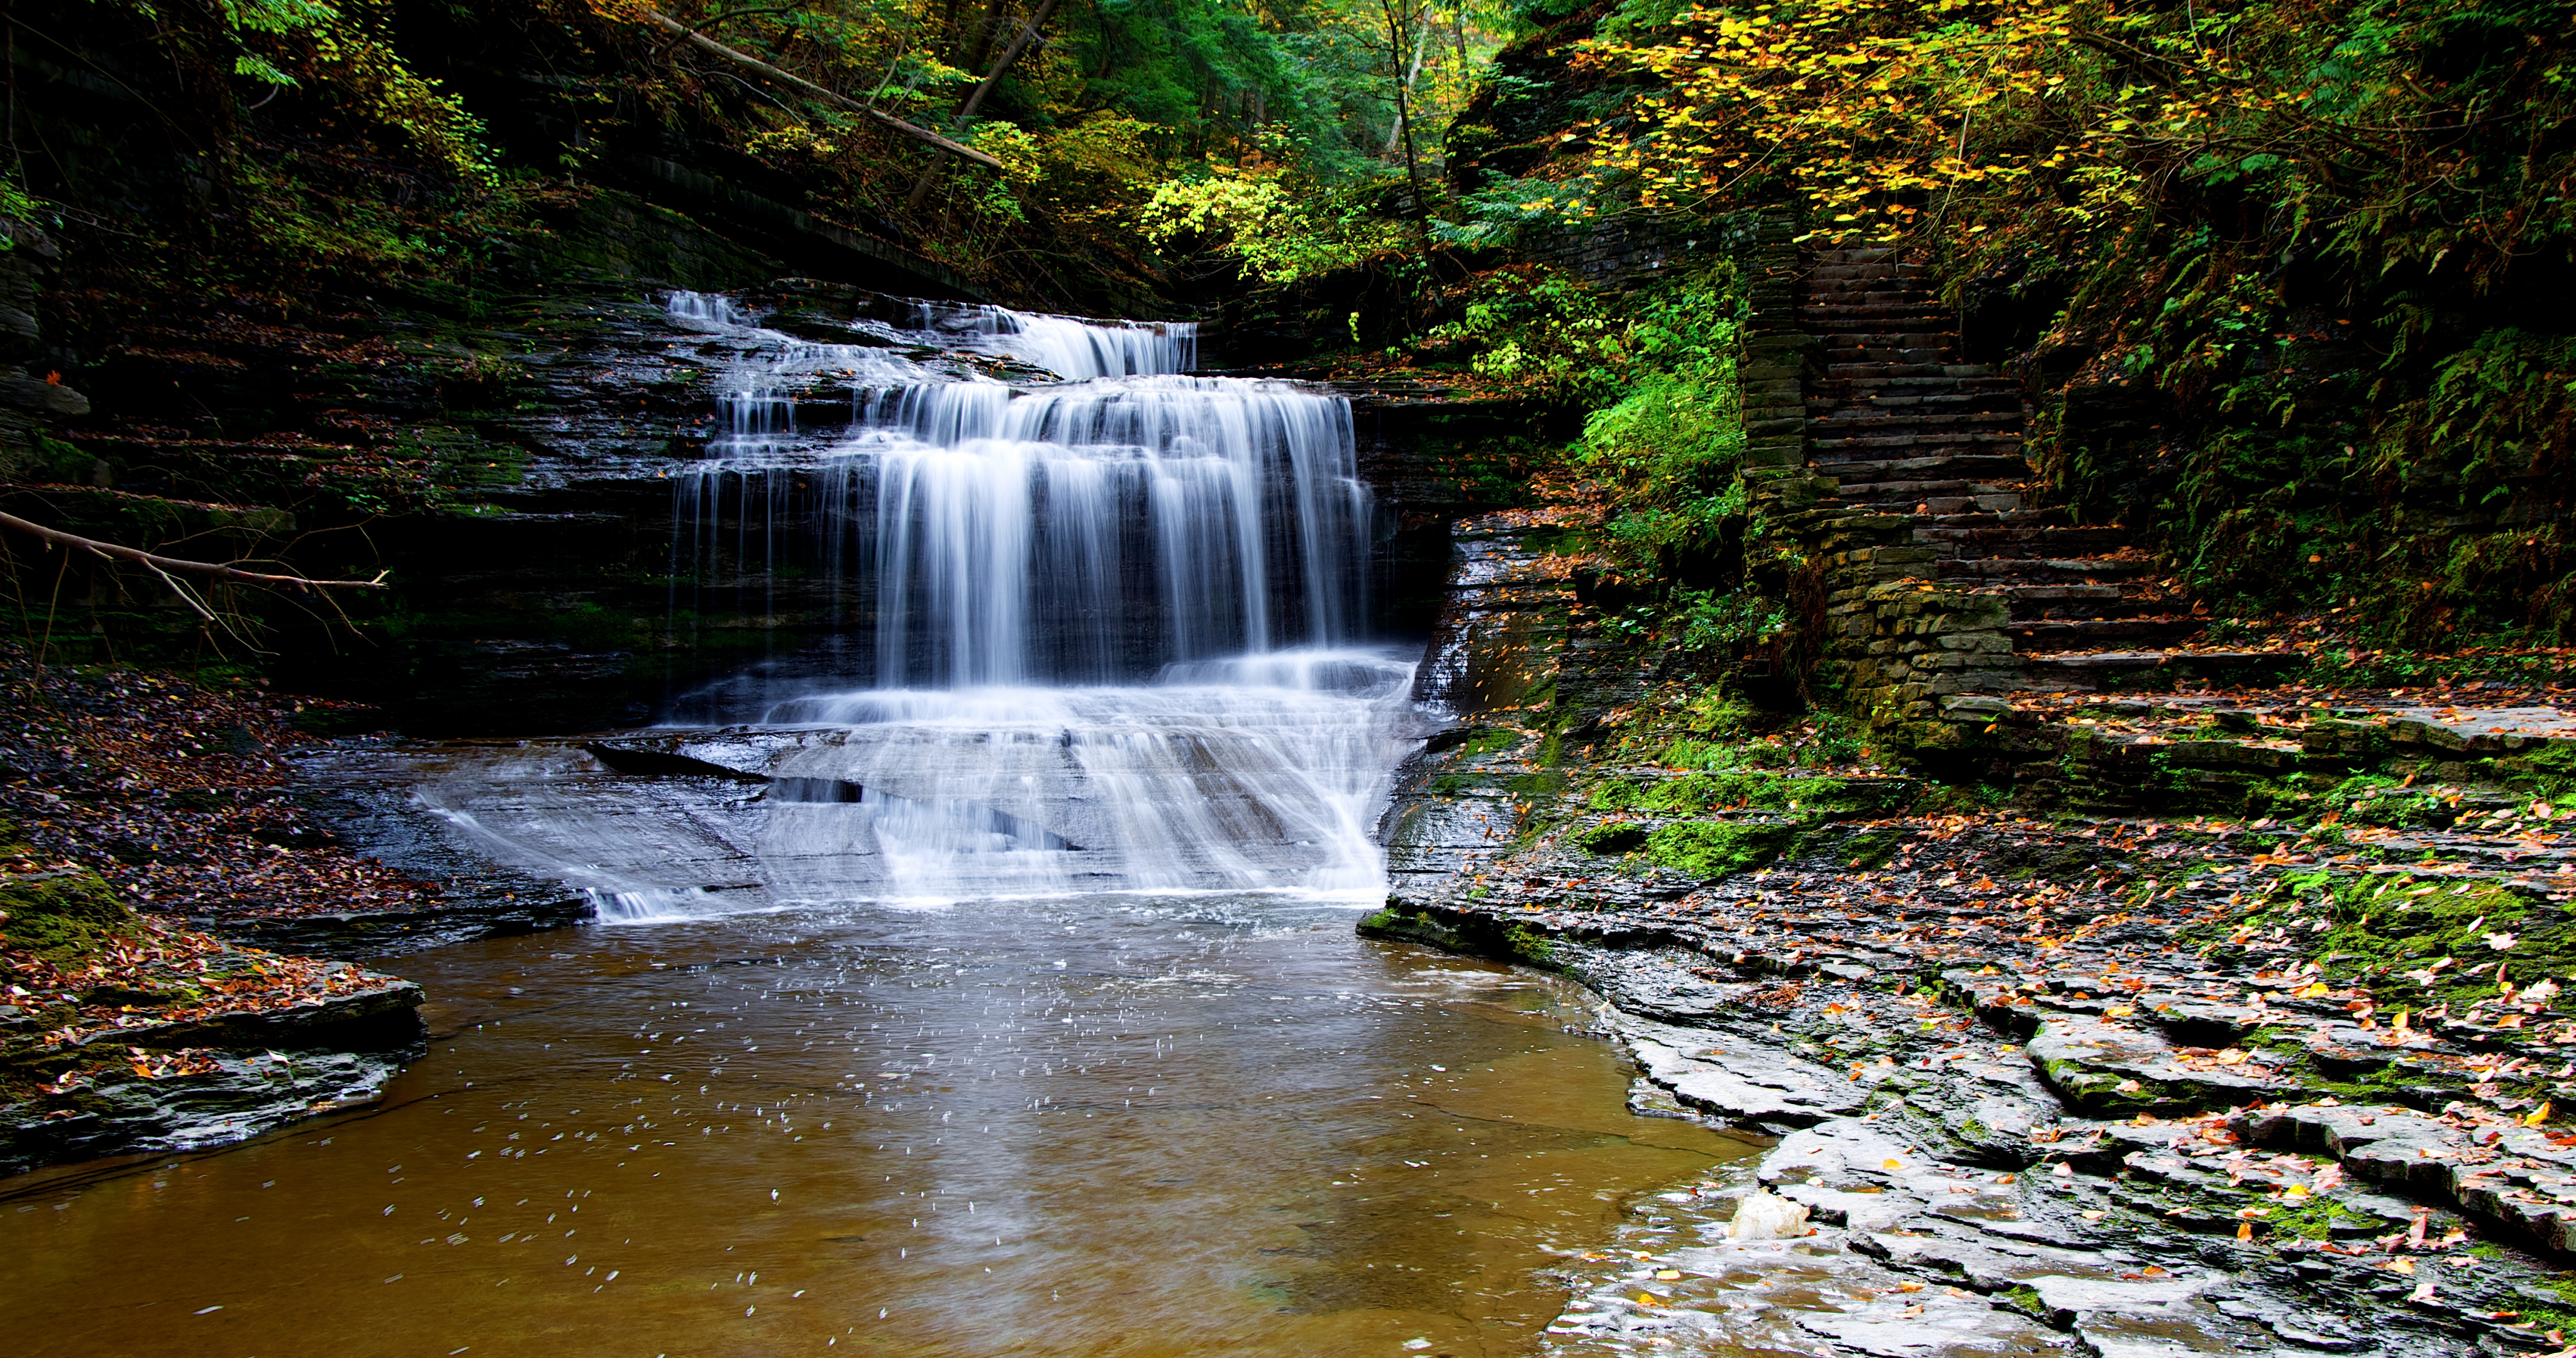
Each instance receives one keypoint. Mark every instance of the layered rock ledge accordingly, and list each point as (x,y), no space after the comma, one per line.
(2200,1021)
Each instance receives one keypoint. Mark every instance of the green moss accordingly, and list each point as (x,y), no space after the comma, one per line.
(2547,1317)
(2386,929)
(1611,837)
(1773,791)
(1537,783)
(2318,1218)
(1618,794)
(63,915)
(1530,945)
(1490,742)
(1873,848)
(1714,849)
(2549,772)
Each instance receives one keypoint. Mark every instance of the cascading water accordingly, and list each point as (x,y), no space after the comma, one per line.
(1099,633)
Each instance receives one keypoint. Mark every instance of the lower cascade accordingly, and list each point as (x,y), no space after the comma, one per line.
(1103,632)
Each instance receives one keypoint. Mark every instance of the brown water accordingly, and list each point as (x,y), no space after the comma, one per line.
(1101,1126)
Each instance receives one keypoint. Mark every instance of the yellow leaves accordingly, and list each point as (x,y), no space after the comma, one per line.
(2537,1116)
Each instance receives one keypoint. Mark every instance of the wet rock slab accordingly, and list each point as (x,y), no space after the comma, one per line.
(196,1083)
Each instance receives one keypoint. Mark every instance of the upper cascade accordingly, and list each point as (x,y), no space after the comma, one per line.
(1087,531)
(1071,347)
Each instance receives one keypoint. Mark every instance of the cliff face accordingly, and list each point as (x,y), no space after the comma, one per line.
(517,466)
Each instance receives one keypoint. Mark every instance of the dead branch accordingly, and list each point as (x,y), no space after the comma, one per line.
(691,35)
(215,569)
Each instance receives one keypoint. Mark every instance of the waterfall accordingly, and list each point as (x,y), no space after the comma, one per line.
(1088,531)
(1096,624)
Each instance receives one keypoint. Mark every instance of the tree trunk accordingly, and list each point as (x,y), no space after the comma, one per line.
(1001,67)
(1010,54)
(1395,16)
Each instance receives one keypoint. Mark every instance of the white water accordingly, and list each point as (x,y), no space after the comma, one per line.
(1104,635)
(1088,531)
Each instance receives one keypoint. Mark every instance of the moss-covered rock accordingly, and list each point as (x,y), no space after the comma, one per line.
(62,914)
(1714,849)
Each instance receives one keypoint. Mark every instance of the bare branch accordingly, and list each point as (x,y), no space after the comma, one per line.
(214,569)
(690,35)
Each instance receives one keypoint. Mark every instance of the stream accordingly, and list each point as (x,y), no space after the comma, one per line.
(1088,1126)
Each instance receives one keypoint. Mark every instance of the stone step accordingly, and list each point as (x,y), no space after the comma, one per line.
(2093,670)
(2002,400)
(2067,634)
(1969,542)
(1841,273)
(2007,571)
(1914,489)
(1869,369)
(1981,405)
(1868,291)
(1992,502)
(1875,306)
(2041,595)
(2017,518)
(1871,387)
(1930,440)
(1885,268)
(1847,289)
(1866,422)
(1879,332)
(1871,254)
(2078,603)
(1857,347)
(1979,465)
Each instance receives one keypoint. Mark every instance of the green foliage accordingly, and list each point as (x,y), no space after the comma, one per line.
(1532,330)
(2283,258)
(1673,440)
(2415,502)
(1277,221)
(346,54)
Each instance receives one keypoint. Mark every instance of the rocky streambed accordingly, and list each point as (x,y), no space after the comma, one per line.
(2238,1023)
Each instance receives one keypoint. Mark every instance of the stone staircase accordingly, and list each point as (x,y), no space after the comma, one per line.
(1945,586)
